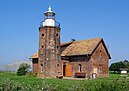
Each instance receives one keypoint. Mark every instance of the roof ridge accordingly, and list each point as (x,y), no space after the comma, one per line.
(87,39)
(66,43)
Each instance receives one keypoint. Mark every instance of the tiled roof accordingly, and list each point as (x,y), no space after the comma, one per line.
(35,55)
(67,43)
(81,47)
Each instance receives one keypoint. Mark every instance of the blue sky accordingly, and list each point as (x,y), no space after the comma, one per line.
(80,19)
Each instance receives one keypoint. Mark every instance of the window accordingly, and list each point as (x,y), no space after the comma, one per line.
(42,34)
(41,54)
(100,56)
(41,67)
(80,67)
(57,34)
(100,68)
(57,65)
(42,46)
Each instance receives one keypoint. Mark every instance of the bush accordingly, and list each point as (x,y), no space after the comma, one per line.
(23,69)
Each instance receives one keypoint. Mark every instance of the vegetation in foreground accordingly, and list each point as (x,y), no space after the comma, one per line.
(12,82)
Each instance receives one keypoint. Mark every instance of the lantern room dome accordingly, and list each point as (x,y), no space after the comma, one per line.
(49,12)
(49,19)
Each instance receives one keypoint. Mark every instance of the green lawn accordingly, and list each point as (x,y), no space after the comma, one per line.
(12,82)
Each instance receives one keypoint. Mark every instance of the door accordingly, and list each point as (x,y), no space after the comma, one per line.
(68,70)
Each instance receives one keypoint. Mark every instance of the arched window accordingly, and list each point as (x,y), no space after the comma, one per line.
(100,56)
(80,67)
(41,67)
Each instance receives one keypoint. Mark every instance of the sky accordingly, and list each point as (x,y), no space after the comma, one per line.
(79,19)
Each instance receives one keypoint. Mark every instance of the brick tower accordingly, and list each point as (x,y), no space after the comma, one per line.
(50,65)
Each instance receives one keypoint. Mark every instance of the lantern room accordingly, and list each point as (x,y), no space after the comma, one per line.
(49,19)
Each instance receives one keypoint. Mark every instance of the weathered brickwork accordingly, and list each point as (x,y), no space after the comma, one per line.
(35,65)
(80,64)
(100,61)
(49,52)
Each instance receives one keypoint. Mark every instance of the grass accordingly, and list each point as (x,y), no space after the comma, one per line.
(12,82)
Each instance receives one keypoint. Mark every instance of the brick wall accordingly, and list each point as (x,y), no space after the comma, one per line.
(100,60)
(35,65)
(49,52)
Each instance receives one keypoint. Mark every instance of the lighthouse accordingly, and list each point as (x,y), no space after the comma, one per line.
(49,18)
(50,65)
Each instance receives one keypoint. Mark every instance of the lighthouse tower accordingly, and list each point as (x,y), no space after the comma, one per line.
(49,47)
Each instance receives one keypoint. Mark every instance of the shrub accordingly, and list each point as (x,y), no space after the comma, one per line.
(23,69)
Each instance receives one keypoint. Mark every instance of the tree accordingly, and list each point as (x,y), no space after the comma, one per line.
(126,63)
(116,66)
(23,69)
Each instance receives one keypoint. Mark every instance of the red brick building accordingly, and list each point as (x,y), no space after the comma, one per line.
(87,58)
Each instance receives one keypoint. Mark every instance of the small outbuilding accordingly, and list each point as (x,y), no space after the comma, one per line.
(124,71)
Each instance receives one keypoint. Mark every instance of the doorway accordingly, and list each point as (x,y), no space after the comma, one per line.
(67,70)
(64,70)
